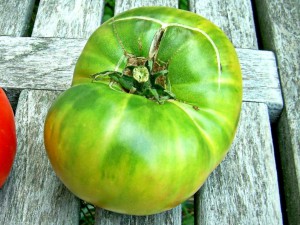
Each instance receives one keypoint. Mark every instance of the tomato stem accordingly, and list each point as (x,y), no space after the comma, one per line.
(141,77)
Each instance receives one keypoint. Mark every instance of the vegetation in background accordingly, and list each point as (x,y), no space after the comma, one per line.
(87,213)
(32,19)
(183,4)
(109,9)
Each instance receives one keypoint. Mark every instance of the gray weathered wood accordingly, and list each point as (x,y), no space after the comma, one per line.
(38,63)
(280,26)
(33,194)
(68,19)
(15,17)
(171,217)
(243,189)
(123,5)
(55,18)
(260,80)
(15,21)
(234,17)
(49,64)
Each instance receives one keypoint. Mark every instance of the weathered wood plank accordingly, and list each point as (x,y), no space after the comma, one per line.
(234,17)
(33,194)
(171,217)
(68,19)
(260,80)
(15,17)
(40,63)
(64,19)
(243,189)
(15,21)
(123,5)
(280,30)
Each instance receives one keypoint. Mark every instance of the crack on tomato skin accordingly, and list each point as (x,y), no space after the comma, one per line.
(159,87)
(164,26)
(117,36)
(140,44)
(156,43)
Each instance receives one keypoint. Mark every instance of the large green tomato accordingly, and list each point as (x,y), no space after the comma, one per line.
(153,109)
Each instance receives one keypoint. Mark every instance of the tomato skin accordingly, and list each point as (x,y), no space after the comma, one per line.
(126,153)
(8,141)
(134,162)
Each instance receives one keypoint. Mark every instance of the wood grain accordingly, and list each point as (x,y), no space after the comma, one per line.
(68,19)
(280,30)
(33,193)
(48,63)
(123,5)
(171,217)
(15,21)
(15,17)
(234,17)
(40,201)
(243,189)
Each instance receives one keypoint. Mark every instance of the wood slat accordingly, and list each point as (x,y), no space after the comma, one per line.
(243,189)
(15,21)
(171,217)
(33,194)
(68,19)
(21,60)
(123,5)
(234,17)
(280,30)
(15,17)
(40,201)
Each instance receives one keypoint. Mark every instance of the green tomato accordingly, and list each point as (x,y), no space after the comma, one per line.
(153,109)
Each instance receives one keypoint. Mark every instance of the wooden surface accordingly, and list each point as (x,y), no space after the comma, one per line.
(40,201)
(68,19)
(59,57)
(234,17)
(123,5)
(33,194)
(243,189)
(233,193)
(280,26)
(171,217)
(15,17)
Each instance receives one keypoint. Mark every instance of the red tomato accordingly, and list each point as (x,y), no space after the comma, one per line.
(8,141)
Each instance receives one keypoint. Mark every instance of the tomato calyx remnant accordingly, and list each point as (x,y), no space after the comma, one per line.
(144,78)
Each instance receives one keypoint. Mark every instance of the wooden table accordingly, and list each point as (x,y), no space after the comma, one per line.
(244,189)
